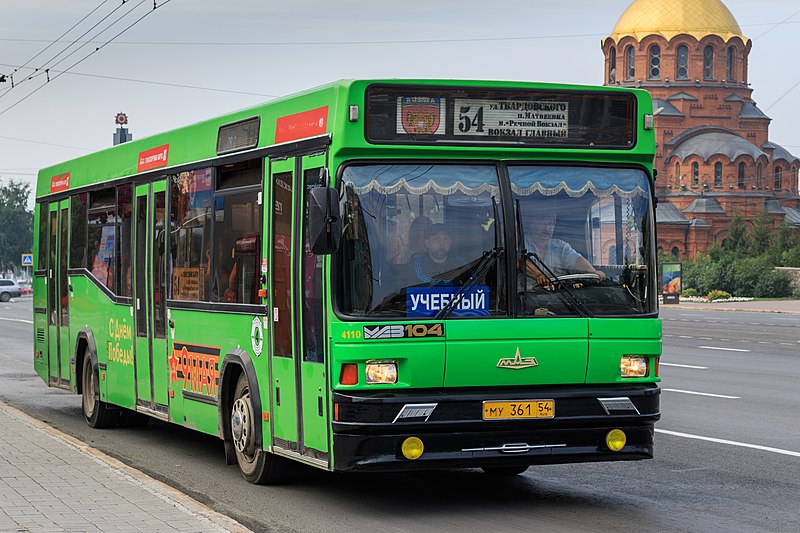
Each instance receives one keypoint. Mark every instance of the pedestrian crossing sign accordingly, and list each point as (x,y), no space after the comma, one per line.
(27,260)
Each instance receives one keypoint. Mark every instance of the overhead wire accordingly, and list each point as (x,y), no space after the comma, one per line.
(90,54)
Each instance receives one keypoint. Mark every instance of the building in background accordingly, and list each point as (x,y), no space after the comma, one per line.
(714,158)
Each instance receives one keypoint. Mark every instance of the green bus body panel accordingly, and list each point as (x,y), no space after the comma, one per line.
(315,423)
(612,338)
(477,350)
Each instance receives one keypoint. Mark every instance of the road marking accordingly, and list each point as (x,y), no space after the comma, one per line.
(17,320)
(726,349)
(684,366)
(685,337)
(705,338)
(703,394)
(730,442)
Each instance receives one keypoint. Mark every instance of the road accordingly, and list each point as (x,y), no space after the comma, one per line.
(727,451)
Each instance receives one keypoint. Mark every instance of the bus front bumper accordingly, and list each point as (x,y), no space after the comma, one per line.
(371,438)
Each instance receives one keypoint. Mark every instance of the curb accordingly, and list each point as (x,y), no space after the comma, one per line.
(214,520)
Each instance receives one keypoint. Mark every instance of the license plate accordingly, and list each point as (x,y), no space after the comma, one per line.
(519,409)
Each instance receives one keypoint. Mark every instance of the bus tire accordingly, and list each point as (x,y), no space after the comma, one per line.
(504,470)
(97,413)
(257,466)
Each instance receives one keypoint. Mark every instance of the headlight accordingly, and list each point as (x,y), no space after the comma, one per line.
(381,373)
(633,367)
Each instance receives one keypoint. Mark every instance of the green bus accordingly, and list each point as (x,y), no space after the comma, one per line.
(371,275)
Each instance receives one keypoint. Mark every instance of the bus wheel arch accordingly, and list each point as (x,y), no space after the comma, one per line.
(97,413)
(240,422)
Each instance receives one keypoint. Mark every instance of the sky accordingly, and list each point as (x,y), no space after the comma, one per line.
(189,60)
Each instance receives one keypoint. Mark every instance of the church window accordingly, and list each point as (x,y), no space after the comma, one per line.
(630,63)
(675,252)
(708,63)
(731,75)
(682,65)
(740,183)
(654,71)
(718,174)
(678,171)
(759,176)
(612,65)
(695,174)
(778,178)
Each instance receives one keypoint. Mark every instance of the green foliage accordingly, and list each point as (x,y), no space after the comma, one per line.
(690,292)
(718,295)
(16,224)
(744,264)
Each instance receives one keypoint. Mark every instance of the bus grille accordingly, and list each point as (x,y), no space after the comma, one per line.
(40,336)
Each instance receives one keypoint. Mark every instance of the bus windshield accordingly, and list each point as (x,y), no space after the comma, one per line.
(415,235)
(418,236)
(584,236)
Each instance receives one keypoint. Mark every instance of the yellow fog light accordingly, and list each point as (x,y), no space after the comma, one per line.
(633,367)
(412,448)
(381,372)
(616,439)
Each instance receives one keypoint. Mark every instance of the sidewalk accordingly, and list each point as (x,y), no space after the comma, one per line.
(50,481)
(765,306)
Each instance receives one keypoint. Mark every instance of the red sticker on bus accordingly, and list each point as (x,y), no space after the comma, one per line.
(301,125)
(59,183)
(153,158)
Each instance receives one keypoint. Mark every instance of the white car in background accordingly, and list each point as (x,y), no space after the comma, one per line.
(9,289)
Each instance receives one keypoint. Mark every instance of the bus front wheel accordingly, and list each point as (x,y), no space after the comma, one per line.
(257,466)
(96,412)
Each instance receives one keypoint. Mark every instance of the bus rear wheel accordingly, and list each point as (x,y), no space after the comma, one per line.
(504,470)
(96,412)
(257,466)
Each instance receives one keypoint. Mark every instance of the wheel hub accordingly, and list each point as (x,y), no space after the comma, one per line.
(241,422)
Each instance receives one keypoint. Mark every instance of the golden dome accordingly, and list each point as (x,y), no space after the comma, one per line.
(697,18)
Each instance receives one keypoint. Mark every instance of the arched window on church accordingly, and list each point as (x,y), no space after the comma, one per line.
(682,64)
(695,174)
(612,65)
(630,63)
(717,174)
(740,183)
(731,74)
(778,178)
(654,69)
(759,176)
(678,172)
(708,63)
(675,252)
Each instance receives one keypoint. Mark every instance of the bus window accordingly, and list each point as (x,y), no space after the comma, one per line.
(102,236)
(79,223)
(125,240)
(190,241)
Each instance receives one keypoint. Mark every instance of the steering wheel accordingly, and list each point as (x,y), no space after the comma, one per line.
(580,276)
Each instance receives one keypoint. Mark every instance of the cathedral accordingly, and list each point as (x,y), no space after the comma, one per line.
(714,158)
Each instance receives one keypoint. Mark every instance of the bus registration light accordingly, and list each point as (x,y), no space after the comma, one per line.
(381,373)
(633,367)
(616,439)
(412,448)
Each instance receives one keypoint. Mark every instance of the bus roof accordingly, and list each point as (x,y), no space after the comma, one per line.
(318,111)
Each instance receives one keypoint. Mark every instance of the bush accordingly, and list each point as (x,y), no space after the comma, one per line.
(690,292)
(718,295)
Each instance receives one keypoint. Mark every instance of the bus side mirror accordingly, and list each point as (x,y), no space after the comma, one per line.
(324,220)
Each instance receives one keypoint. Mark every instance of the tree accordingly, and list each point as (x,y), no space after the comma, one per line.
(16,224)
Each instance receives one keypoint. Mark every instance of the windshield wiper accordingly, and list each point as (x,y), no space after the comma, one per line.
(489,256)
(568,297)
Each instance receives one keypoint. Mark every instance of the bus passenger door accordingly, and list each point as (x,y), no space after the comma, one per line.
(282,354)
(59,351)
(299,391)
(149,275)
(312,323)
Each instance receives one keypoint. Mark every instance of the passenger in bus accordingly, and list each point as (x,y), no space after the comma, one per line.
(558,255)
(437,265)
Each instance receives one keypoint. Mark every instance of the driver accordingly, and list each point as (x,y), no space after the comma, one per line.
(558,255)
